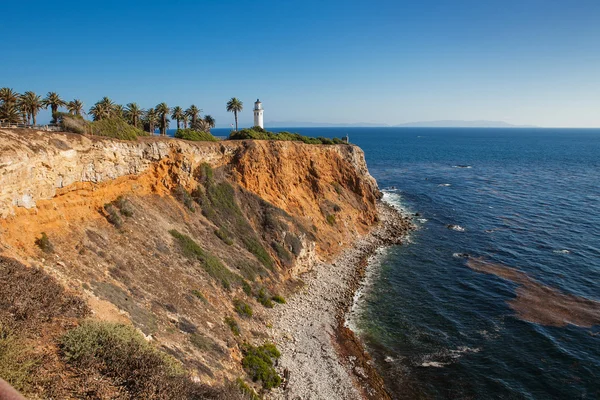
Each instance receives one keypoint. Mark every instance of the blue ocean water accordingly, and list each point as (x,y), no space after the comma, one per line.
(526,198)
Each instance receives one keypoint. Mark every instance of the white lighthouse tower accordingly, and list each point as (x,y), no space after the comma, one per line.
(258,114)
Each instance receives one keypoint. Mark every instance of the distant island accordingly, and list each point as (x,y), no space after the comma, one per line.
(300,124)
(462,124)
(419,124)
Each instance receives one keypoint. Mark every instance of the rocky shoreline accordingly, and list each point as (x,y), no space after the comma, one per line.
(323,358)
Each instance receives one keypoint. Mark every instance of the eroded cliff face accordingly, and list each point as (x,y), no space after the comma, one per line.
(115,213)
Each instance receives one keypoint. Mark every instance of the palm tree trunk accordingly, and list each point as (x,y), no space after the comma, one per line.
(34,121)
(177,123)
(236,125)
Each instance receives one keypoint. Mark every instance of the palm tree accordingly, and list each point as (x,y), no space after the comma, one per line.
(133,114)
(9,112)
(118,111)
(104,108)
(163,111)
(151,119)
(178,115)
(31,104)
(54,101)
(210,122)
(75,107)
(235,106)
(185,120)
(193,114)
(8,96)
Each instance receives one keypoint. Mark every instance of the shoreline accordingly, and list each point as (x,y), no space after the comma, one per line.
(324,358)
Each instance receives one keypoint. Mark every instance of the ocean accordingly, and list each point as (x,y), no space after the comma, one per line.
(507,247)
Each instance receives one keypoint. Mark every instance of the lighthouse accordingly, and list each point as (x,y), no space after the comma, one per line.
(258,114)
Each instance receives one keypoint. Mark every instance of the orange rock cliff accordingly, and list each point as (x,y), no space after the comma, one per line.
(120,217)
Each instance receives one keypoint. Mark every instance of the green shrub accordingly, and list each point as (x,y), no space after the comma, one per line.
(211,264)
(258,363)
(224,236)
(184,196)
(120,352)
(258,133)
(247,288)
(16,363)
(278,299)
(125,207)
(116,128)
(226,285)
(198,294)
(204,173)
(112,215)
(264,298)
(44,243)
(243,309)
(196,136)
(233,325)
(255,247)
(331,219)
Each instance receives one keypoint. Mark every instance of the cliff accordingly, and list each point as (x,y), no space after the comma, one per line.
(170,236)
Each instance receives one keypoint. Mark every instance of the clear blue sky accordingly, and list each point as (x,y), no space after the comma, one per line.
(521,61)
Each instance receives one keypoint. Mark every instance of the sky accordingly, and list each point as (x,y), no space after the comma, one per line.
(534,62)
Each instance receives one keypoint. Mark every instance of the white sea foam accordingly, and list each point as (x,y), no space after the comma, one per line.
(457,228)
(444,184)
(463,350)
(462,166)
(394,199)
(562,251)
(422,220)
(433,364)
(460,255)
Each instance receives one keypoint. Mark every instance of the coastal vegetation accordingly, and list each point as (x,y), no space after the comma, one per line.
(122,354)
(193,135)
(258,133)
(258,363)
(23,109)
(43,242)
(242,308)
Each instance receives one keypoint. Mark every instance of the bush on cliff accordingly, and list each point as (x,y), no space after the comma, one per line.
(121,353)
(258,133)
(43,242)
(116,128)
(211,264)
(258,362)
(196,136)
(73,123)
(242,308)
(16,361)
